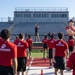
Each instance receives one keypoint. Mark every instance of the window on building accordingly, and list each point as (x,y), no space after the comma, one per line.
(64,15)
(24,15)
(53,15)
(45,15)
(58,15)
(36,15)
(19,15)
(27,15)
(40,15)
(33,15)
(16,15)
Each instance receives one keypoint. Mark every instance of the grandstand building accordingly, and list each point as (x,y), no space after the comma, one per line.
(49,20)
(41,14)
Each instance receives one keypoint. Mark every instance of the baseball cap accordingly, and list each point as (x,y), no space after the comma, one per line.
(70,21)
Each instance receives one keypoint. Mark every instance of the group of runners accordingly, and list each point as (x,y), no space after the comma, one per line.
(59,50)
(13,56)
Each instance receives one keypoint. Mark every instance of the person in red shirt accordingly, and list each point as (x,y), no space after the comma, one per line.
(71,63)
(45,45)
(71,28)
(0,37)
(51,43)
(71,44)
(17,38)
(22,45)
(61,47)
(8,54)
(30,43)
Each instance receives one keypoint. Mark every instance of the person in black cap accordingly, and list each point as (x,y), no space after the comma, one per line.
(70,29)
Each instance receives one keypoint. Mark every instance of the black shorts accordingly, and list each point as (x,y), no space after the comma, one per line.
(50,53)
(22,64)
(71,48)
(36,34)
(60,63)
(30,48)
(6,70)
(45,46)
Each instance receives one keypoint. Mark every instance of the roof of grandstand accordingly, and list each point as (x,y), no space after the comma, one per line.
(41,9)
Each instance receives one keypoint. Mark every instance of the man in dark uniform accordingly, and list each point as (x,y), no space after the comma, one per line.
(37,33)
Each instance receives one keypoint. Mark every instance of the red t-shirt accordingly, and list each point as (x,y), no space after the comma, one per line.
(51,43)
(60,46)
(0,39)
(71,62)
(16,40)
(71,42)
(29,41)
(8,51)
(45,41)
(21,48)
(72,28)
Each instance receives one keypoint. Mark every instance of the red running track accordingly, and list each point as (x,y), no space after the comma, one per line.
(39,62)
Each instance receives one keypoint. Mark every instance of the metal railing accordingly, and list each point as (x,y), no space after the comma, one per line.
(41,9)
(13,36)
(6,19)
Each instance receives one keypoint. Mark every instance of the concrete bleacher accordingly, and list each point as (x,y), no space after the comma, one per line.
(23,27)
(44,28)
(28,28)
(5,25)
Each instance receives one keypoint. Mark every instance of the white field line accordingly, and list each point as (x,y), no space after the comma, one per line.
(29,66)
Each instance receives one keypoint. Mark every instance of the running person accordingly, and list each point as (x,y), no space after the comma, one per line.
(61,47)
(71,44)
(37,33)
(8,54)
(45,45)
(22,45)
(51,43)
(30,43)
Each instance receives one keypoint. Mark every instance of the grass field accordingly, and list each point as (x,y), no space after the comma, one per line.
(37,54)
(37,51)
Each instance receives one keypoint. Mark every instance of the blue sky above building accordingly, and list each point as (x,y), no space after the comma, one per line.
(7,7)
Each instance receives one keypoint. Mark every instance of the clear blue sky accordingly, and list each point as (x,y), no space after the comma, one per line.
(7,7)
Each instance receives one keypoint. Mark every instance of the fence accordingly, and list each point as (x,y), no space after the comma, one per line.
(13,36)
